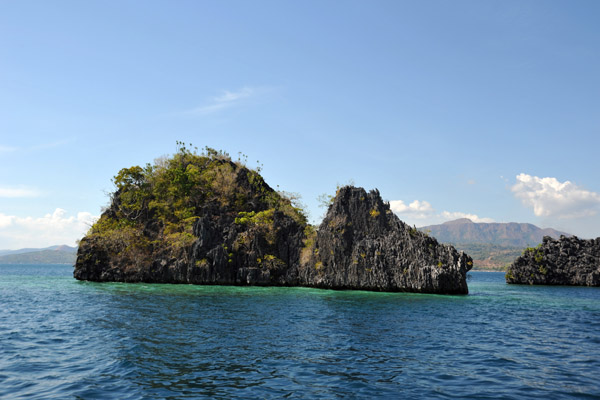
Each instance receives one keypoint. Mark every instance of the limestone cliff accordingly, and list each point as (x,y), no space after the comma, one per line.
(361,244)
(199,219)
(204,219)
(566,261)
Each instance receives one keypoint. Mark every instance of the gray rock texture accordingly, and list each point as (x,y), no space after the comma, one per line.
(194,219)
(227,250)
(362,244)
(566,261)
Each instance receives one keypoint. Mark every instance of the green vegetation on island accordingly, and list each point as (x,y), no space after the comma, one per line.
(172,191)
(155,208)
(202,218)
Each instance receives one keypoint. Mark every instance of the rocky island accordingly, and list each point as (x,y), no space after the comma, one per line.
(362,244)
(566,261)
(205,219)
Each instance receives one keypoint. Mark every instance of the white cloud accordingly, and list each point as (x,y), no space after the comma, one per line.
(12,192)
(226,100)
(449,216)
(421,213)
(37,147)
(51,229)
(50,145)
(551,198)
(416,209)
(5,220)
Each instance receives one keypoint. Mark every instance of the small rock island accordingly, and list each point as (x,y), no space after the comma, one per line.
(566,261)
(362,244)
(205,219)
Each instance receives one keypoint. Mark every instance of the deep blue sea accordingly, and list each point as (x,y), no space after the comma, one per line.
(65,339)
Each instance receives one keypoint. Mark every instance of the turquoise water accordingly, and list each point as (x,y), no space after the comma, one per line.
(65,339)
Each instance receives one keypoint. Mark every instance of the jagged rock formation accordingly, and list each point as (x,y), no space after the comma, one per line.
(204,219)
(361,244)
(566,261)
(199,219)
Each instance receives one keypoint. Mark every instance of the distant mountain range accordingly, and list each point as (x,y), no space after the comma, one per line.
(61,254)
(504,234)
(492,245)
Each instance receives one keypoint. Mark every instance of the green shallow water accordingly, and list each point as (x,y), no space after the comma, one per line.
(61,338)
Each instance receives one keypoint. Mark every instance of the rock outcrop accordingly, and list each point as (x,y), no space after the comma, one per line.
(362,244)
(203,219)
(566,261)
(217,223)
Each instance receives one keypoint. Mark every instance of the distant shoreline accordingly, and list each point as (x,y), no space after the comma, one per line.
(7,263)
(486,270)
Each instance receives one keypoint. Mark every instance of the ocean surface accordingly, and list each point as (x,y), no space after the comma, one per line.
(65,339)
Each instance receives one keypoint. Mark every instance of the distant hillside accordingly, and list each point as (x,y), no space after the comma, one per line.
(490,256)
(60,247)
(49,255)
(503,234)
(492,245)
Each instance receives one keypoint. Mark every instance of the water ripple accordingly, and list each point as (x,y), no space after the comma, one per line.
(67,339)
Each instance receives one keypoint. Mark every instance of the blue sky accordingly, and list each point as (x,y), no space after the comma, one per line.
(486,109)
